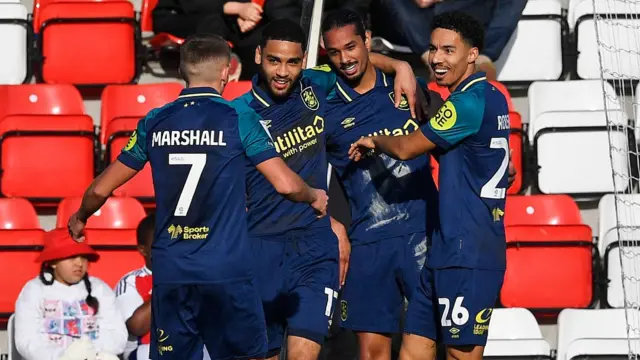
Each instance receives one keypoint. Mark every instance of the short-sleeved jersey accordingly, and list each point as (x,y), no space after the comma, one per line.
(197,147)
(128,299)
(471,131)
(296,125)
(386,196)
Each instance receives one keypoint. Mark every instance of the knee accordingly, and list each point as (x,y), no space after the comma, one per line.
(302,349)
(378,348)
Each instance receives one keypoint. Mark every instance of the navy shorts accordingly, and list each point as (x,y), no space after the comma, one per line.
(227,318)
(453,305)
(381,275)
(297,276)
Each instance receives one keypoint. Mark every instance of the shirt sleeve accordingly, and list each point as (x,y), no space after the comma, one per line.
(255,140)
(27,321)
(458,118)
(128,299)
(113,332)
(134,154)
(322,76)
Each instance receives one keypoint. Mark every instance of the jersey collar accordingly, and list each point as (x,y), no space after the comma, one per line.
(470,81)
(347,93)
(198,92)
(262,96)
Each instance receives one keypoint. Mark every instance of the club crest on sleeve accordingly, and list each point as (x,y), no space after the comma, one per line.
(445,118)
(309,99)
(132,141)
(404,103)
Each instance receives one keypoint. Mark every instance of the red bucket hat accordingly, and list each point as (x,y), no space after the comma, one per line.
(58,245)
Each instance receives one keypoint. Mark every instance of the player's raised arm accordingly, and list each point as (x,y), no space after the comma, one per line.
(131,160)
(261,152)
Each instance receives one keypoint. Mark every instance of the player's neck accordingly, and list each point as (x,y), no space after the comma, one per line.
(367,81)
(470,70)
(217,85)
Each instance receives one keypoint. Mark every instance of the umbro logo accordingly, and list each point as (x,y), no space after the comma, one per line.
(348,122)
(266,123)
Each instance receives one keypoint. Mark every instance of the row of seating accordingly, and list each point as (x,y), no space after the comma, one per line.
(552,260)
(601,333)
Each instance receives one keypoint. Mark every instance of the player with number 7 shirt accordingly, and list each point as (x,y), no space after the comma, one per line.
(204,293)
(464,271)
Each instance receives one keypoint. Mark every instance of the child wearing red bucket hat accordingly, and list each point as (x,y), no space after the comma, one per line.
(65,314)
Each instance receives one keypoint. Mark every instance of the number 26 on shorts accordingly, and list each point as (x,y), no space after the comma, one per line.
(457,314)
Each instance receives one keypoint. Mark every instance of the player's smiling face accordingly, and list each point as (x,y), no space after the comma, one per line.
(450,57)
(281,64)
(347,51)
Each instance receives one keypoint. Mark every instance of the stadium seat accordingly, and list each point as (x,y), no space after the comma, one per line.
(535,50)
(514,333)
(549,268)
(620,29)
(563,140)
(46,157)
(444,92)
(123,102)
(116,213)
(104,36)
(235,89)
(11,341)
(20,263)
(586,95)
(15,33)
(19,225)
(541,210)
(40,99)
(599,334)
(619,225)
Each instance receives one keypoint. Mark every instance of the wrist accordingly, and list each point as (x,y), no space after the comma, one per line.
(83,215)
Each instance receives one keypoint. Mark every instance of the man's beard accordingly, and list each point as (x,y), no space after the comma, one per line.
(265,84)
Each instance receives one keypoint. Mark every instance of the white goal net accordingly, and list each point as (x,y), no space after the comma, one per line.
(615,32)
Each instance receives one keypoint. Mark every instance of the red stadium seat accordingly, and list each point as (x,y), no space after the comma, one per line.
(235,89)
(17,213)
(133,101)
(542,210)
(116,213)
(19,266)
(40,99)
(104,37)
(46,157)
(549,268)
(114,262)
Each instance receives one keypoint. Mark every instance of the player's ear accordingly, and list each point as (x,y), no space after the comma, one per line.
(224,75)
(304,60)
(258,57)
(473,55)
(367,40)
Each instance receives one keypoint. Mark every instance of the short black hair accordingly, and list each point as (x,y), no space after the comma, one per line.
(340,18)
(284,30)
(468,27)
(146,227)
(199,48)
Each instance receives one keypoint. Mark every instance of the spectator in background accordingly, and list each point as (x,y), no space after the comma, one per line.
(65,314)
(133,296)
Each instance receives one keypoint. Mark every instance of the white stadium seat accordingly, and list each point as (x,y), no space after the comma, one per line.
(514,333)
(620,31)
(573,156)
(11,329)
(628,210)
(13,32)
(534,51)
(601,332)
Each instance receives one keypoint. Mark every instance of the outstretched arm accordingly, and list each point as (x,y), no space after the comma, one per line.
(405,147)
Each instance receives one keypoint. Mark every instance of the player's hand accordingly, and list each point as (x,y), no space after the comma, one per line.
(76,227)
(405,83)
(344,247)
(251,12)
(512,171)
(361,148)
(321,202)
(246,25)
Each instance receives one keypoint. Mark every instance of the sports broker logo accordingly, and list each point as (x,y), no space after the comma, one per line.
(300,138)
(188,232)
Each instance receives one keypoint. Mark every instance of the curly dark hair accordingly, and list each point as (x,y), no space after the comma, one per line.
(470,29)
